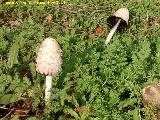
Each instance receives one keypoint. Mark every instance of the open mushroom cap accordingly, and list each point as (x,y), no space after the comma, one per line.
(122,14)
(49,57)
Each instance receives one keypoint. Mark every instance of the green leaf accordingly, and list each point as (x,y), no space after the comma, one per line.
(16,117)
(136,114)
(73,113)
(13,55)
(129,102)
(32,118)
(9,98)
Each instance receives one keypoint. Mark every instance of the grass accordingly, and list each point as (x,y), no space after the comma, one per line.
(97,82)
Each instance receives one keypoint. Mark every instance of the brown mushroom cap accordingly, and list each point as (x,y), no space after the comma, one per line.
(122,14)
(151,94)
(49,57)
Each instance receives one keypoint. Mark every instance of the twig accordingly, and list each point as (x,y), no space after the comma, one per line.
(7,114)
(88,8)
(4,108)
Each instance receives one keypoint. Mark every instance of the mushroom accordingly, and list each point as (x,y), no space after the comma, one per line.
(49,62)
(119,19)
(151,98)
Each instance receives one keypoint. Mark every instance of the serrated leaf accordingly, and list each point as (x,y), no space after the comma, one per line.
(129,102)
(16,117)
(73,113)
(13,55)
(136,114)
(8,98)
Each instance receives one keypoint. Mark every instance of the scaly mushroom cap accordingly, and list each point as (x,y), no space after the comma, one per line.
(122,13)
(49,57)
(151,94)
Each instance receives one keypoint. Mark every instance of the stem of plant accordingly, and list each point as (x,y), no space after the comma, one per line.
(112,32)
(48,88)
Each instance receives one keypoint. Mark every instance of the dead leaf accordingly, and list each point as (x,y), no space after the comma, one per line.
(25,73)
(79,109)
(21,112)
(91,36)
(82,107)
(14,23)
(48,18)
(152,21)
(38,112)
(99,30)
(91,109)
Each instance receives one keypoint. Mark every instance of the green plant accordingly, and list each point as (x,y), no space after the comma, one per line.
(106,81)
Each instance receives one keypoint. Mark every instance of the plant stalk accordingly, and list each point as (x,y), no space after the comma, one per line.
(48,88)
(112,32)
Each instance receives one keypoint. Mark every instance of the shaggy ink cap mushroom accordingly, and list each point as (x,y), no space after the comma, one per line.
(49,63)
(151,94)
(120,18)
(122,14)
(151,99)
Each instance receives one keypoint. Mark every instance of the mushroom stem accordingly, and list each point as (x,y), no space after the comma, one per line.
(112,32)
(48,88)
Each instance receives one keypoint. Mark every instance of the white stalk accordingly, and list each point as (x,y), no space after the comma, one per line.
(112,32)
(48,88)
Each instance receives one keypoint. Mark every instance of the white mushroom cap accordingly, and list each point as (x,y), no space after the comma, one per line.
(151,94)
(49,57)
(122,13)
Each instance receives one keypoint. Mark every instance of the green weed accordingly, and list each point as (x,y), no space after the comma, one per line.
(105,80)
